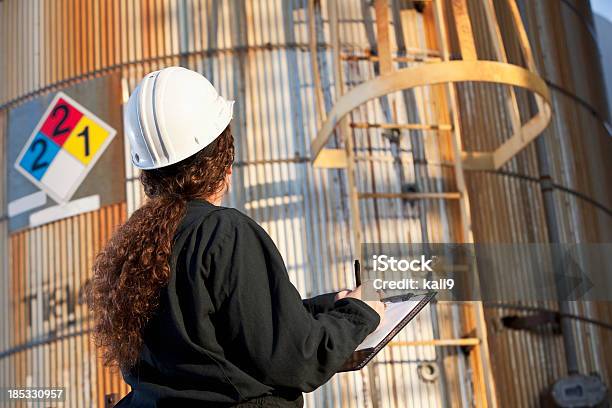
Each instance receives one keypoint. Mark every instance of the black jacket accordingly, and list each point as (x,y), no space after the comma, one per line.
(232,327)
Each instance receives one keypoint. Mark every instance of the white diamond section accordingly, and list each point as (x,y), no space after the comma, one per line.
(63,174)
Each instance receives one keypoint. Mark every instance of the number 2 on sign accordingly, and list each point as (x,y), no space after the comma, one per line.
(85,135)
(58,131)
(38,163)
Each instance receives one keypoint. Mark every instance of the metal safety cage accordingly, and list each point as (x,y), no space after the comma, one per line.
(467,67)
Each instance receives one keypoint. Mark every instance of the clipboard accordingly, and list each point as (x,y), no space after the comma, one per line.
(360,358)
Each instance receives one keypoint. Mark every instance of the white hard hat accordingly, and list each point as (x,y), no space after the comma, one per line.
(173,114)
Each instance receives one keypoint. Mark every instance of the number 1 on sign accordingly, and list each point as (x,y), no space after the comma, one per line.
(85,140)
(85,135)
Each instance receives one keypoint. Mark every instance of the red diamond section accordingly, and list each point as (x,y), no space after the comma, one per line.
(61,121)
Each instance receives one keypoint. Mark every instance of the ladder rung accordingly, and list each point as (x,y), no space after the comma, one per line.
(469,341)
(410,126)
(413,196)
(388,158)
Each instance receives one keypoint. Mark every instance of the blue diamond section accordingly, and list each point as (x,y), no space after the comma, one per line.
(39,156)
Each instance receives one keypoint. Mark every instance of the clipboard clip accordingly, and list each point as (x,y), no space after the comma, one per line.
(407,296)
(398,298)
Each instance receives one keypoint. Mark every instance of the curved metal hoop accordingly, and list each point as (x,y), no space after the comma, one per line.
(440,73)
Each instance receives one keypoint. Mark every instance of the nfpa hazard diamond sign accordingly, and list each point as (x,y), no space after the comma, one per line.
(63,148)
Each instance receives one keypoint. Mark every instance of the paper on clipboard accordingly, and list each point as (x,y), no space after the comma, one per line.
(394,314)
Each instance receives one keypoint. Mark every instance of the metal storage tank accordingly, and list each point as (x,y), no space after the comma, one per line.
(288,63)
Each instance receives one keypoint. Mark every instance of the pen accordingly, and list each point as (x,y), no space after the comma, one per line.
(357,273)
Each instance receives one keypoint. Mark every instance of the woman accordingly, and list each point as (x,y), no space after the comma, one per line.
(191,299)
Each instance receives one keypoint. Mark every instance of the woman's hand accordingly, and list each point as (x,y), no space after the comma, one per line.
(342,294)
(378,306)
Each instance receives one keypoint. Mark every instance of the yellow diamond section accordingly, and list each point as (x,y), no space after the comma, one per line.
(85,140)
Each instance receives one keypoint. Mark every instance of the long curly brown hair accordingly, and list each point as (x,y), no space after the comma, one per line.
(133,267)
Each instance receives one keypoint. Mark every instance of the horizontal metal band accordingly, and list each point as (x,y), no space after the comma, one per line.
(414,196)
(209,52)
(42,341)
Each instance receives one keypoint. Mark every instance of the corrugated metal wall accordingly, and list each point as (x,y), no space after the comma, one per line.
(257,52)
(577,146)
(48,341)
